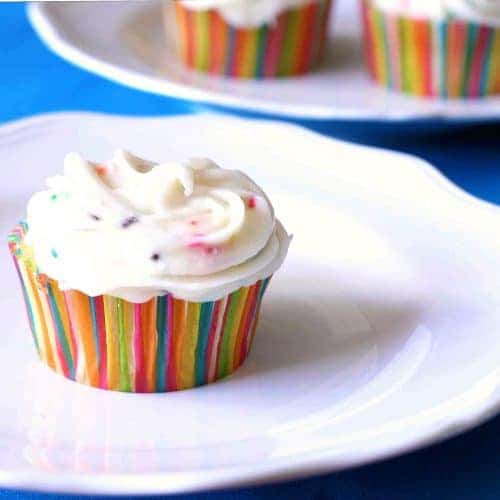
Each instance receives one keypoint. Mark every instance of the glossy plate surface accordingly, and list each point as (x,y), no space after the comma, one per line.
(125,42)
(380,333)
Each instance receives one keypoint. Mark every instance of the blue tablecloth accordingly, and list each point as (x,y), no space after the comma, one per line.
(32,81)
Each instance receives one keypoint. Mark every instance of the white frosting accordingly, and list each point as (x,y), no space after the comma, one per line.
(247,13)
(135,229)
(481,11)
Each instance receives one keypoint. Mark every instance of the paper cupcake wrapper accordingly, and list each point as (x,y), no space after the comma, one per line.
(293,45)
(165,344)
(447,59)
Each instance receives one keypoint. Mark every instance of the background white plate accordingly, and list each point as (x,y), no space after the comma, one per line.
(125,42)
(380,333)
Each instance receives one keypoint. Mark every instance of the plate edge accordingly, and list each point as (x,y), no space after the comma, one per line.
(235,477)
(50,35)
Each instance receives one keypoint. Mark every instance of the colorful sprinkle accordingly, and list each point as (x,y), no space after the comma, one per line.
(129,221)
(211,250)
(101,170)
(94,217)
(41,280)
(54,253)
(155,256)
(165,344)
(53,197)
(251,202)
(206,249)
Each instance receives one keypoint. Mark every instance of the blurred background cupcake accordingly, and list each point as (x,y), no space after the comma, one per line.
(434,48)
(250,38)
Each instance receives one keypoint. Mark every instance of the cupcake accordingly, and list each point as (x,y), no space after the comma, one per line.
(250,38)
(434,48)
(146,277)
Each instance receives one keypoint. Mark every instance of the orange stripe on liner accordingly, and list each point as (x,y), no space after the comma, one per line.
(81,321)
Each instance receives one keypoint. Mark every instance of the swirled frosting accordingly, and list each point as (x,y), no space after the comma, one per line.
(481,11)
(135,229)
(247,13)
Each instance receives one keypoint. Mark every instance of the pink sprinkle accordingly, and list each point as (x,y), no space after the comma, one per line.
(193,222)
(206,249)
(211,250)
(101,170)
(251,202)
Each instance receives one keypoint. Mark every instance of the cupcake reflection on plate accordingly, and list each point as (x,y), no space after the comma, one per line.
(250,38)
(434,48)
(146,277)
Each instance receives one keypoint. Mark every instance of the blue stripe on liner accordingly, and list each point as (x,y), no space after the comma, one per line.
(261,51)
(205,321)
(230,51)
(95,330)
(161,327)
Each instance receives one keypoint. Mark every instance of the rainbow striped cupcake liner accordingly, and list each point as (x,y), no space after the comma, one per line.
(450,59)
(165,344)
(293,45)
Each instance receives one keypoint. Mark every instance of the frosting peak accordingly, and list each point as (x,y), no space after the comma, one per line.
(135,229)
(487,11)
(247,13)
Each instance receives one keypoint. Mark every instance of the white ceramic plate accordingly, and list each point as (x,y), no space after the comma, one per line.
(379,335)
(125,42)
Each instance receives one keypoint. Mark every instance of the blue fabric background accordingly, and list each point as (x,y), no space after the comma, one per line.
(33,81)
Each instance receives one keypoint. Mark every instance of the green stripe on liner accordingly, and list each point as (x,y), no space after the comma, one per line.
(202,40)
(223,368)
(382,33)
(289,45)
(125,383)
(472,31)
(405,66)
(60,330)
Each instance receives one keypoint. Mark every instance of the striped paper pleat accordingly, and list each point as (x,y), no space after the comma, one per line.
(292,45)
(165,344)
(447,59)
